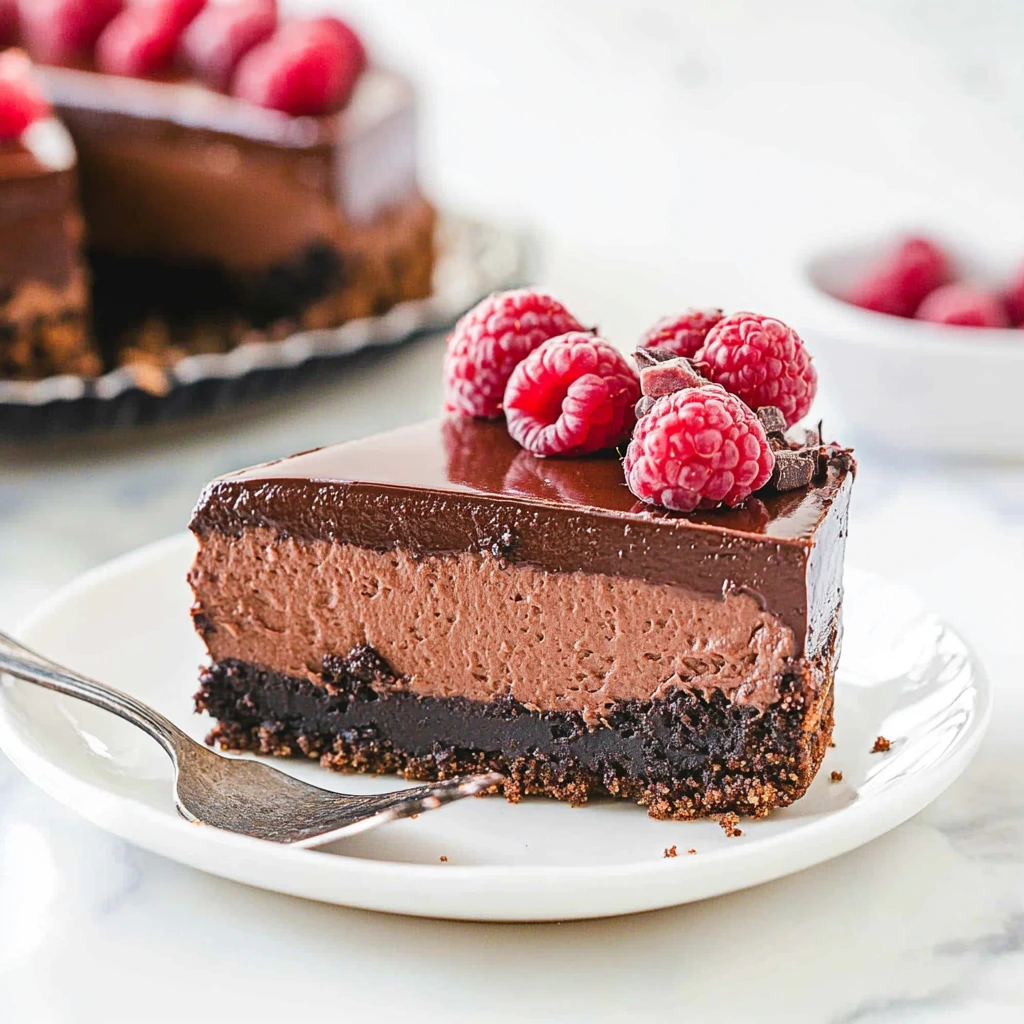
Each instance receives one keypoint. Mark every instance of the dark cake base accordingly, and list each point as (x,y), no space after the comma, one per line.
(683,757)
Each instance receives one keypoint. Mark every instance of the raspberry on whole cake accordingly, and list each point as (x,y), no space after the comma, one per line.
(243,174)
(441,599)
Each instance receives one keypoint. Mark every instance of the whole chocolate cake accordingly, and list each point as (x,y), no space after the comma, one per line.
(439,599)
(242,176)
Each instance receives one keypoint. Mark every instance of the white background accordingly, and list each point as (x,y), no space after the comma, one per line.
(670,154)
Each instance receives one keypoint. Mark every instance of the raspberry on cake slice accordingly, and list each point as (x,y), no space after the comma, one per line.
(571,396)
(762,361)
(698,448)
(681,335)
(491,340)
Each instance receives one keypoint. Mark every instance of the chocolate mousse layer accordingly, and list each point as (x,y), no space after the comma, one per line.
(213,218)
(501,597)
(44,301)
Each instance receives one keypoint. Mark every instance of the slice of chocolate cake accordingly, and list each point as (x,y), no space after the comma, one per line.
(437,600)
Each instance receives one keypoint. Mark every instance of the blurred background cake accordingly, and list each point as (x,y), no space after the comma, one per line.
(242,176)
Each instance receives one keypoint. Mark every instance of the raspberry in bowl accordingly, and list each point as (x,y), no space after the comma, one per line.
(902,323)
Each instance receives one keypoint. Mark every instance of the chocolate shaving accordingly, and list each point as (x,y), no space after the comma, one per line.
(670,376)
(772,420)
(793,469)
(652,356)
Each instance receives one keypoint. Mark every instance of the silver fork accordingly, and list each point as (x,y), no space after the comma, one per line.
(236,794)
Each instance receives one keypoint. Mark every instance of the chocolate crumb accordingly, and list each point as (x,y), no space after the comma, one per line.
(730,825)
(444,860)
(670,376)
(881,746)
(670,851)
(793,469)
(772,420)
(837,776)
(691,852)
(652,356)
(832,743)
(413,816)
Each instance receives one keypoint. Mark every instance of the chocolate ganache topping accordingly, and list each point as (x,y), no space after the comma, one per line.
(459,485)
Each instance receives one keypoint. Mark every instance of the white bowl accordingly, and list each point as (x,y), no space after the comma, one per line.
(909,384)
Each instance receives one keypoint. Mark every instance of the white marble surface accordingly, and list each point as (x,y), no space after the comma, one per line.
(672,153)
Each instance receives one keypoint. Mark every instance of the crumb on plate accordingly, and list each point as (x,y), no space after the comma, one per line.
(730,825)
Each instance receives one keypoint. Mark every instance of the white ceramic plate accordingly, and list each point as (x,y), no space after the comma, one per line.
(904,675)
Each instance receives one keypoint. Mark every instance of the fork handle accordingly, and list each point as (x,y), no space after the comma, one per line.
(18,660)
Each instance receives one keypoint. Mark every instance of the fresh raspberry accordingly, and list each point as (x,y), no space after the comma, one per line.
(58,31)
(21,100)
(1013,299)
(698,448)
(305,67)
(965,305)
(142,39)
(898,282)
(221,35)
(681,335)
(762,361)
(573,395)
(491,340)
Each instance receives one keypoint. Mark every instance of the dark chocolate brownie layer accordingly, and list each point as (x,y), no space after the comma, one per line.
(682,757)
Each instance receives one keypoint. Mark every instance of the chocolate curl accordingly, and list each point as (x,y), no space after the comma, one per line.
(662,373)
(773,421)
(795,464)
(651,356)
(793,469)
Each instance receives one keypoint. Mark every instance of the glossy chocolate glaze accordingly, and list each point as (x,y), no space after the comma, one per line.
(40,227)
(173,170)
(456,485)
